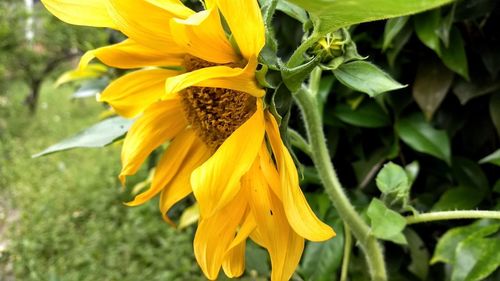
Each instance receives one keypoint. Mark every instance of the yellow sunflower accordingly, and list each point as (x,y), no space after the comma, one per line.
(225,147)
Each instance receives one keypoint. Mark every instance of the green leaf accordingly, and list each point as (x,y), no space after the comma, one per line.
(256,259)
(293,77)
(292,10)
(398,43)
(368,115)
(447,244)
(431,85)
(459,198)
(427,26)
(493,158)
(418,253)
(495,111)
(422,137)
(330,15)
(469,174)
(386,224)
(99,135)
(392,178)
(365,77)
(392,28)
(454,57)
(412,171)
(321,260)
(90,88)
(476,258)
(446,23)
(466,91)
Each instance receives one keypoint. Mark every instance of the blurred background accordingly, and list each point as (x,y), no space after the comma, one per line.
(62,217)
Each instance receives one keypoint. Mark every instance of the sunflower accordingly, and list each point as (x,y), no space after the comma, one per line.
(224,145)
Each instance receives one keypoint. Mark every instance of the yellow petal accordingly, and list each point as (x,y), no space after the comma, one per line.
(129,54)
(234,262)
(175,7)
(217,181)
(130,94)
(245,21)
(299,214)
(159,123)
(169,164)
(202,36)
(179,187)
(90,71)
(214,235)
(269,171)
(283,244)
(219,77)
(142,22)
(88,12)
(246,228)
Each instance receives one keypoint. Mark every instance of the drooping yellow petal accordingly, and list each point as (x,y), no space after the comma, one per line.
(169,164)
(217,181)
(180,187)
(160,122)
(247,27)
(79,12)
(129,54)
(234,263)
(219,77)
(174,7)
(299,213)
(202,36)
(214,235)
(283,244)
(269,171)
(144,23)
(130,94)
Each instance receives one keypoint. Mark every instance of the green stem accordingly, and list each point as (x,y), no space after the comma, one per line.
(452,215)
(347,252)
(326,171)
(299,142)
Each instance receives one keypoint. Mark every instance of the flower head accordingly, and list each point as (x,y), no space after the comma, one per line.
(225,147)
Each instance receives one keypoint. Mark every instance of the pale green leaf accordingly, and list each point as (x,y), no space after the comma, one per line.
(493,158)
(476,258)
(392,178)
(447,244)
(385,223)
(365,77)
(330,15)
(99,135)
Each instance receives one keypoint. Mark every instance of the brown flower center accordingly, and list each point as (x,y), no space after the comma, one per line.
(215,113)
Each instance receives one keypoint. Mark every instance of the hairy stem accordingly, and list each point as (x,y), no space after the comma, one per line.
(347,252)
(452,215)
(299,142)
(326,171)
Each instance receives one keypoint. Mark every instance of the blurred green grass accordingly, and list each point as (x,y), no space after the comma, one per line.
(70,223)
